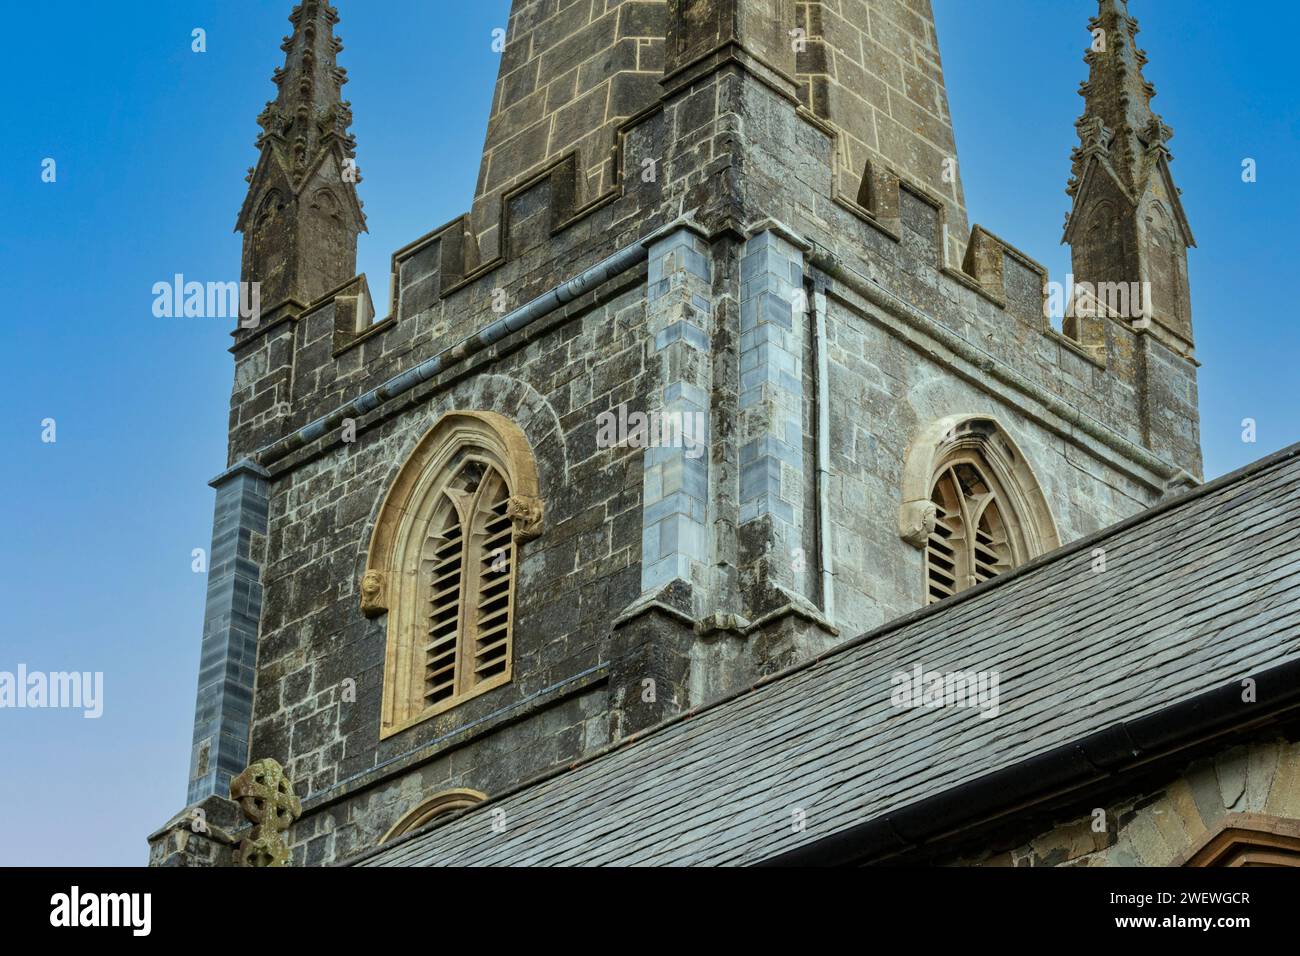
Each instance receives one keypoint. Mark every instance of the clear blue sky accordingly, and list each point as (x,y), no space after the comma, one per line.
(152,142)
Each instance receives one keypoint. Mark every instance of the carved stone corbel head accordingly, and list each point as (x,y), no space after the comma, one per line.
(526,514)
(916,521)
(374,593)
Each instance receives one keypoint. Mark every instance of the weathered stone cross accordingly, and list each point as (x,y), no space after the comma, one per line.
(266,796)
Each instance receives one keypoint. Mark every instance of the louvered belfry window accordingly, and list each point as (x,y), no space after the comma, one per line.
(969,543)
(442,564)
(467,575)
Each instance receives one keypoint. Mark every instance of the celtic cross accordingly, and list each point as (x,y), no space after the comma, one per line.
(266,796)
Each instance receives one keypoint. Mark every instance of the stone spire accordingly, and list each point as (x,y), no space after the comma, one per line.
(302,215)
(1127,224)
(1117,120)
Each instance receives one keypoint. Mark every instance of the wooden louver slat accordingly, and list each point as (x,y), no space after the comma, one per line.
(469,586)
(496,577)
(941,557)
(445,589)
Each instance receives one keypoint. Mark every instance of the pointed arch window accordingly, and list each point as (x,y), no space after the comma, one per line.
(972,505)
(1167,270)
(264,225)
(467,569)
(440,804)
(1247,839)
(443,563)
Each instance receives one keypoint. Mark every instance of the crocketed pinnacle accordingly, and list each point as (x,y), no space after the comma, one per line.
(1118,122)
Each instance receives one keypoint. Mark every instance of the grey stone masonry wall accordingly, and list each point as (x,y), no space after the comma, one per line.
(572,580)
(997,313)
(571,71)
(912,340)
(227,667)
(871,69)
(261,397)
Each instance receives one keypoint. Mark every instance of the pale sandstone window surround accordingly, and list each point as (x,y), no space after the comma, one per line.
(443,563)
(448,801)
(1247,839)
(972,503)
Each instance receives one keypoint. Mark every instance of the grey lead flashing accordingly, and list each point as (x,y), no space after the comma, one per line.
(243,466)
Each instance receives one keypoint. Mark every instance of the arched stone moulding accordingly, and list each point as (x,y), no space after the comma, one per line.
(1033,531)
(447,801)
(1246,839)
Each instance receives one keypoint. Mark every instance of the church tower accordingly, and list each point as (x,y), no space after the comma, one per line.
(711,376)
(301,217)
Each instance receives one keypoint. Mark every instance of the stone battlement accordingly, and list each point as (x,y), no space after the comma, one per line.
(442,292)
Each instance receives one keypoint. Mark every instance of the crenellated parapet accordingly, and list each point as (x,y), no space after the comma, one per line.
(449,282)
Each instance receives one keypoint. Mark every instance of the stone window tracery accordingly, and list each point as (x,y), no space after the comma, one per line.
(969,544)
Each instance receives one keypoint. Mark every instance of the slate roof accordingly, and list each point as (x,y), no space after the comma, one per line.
(1197,592)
